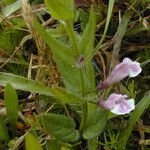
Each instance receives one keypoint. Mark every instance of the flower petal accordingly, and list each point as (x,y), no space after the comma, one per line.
(127,61)
(135,69)
(117,98)
(124,107)
(117,104)
(112,100)
(108,105)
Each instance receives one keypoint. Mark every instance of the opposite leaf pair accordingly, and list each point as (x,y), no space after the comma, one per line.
(117,103)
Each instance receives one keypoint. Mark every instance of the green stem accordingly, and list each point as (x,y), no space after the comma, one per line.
(76,51)
(92,144)
(84,117)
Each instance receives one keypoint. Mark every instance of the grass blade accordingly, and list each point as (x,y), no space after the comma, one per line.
(109,13)
(11,103)
(140,107)
(25,84)
(86,44)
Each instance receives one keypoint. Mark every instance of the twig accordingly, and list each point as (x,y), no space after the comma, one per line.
(21,44)
(29,20)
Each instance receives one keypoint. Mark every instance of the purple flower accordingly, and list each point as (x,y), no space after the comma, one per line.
(118,104)
(126,68)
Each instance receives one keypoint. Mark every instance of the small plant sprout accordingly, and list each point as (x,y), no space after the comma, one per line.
(124,69)
(117,104)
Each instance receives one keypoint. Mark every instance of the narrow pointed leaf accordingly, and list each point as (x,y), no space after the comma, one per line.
(59,50)
(86,44)
(121,32)
(140,108)
(86,47)
(8,10)
(109,13)
(61,10)
(11,103)
(64,59)
(3,133)
(25,84)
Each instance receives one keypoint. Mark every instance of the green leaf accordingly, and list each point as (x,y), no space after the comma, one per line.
(136,30)
(84,17)
(9,39)
(31,142)
(95,124)
(93,143)
(119,35)
(17,61)
(59,50)
(86,47)
(25,84)
(64,58)
(61,9)
(121,32)
(109,13)
(140,108)
(60,126)
(57,145)
(3,133)
(53,145)
(7,2)
(8,10)
(11,103)
(86,44)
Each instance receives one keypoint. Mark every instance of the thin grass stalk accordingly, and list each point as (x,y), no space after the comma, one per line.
(121,32)
(29,20)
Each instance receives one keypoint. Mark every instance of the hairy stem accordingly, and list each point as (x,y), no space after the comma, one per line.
(74,44)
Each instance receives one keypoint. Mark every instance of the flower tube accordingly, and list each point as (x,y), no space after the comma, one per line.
(124,69)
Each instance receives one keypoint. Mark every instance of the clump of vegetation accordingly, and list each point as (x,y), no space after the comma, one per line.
(71,74)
